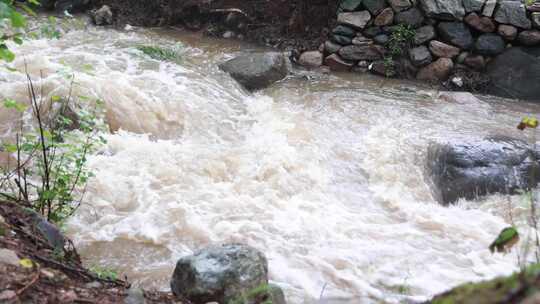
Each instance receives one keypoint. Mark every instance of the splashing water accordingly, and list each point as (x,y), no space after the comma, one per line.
(322,173)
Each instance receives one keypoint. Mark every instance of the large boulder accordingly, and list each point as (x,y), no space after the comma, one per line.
(473,5)
(357,20)
(412,17)
(472,169)
(515,74)
(444,10)
(258,70)
(514,13)
(456,33)
(361,52)
(220,274)
(489,44)
(424,34)
(374,6)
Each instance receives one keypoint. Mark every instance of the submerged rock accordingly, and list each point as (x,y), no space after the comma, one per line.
(220,273)
(472,169)
(258,70)
(515,74)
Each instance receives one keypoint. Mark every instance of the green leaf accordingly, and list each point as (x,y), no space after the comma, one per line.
(6,54)
(28,10)
(18,40)
(55,98)
(12,104)
(17,20)
(10,148)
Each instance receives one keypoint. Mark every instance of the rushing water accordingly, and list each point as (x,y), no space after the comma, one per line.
(323,173)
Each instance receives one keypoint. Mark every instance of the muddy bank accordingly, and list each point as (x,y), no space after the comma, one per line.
(283,24)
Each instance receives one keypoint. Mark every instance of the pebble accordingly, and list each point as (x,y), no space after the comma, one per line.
(9,257)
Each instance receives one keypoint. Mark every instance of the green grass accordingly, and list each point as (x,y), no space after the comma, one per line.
(171,54)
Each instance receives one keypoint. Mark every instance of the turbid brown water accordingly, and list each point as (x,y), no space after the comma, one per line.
(323,173)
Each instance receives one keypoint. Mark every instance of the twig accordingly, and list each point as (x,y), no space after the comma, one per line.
(32,282)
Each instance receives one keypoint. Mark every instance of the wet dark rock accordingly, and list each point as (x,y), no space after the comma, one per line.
(102,16)
(420,56)
(362,41)
(472,169)
(476,62)
(445,10)
(350,5)
(383,68)
(311,59)
(331,47)
(49,231)
(219,273)
(515,74)
(481,24)
(529,38)
(342,40)
(375,6)
(412,17)
(514,13)
(489,8)
(344,31)
(258,70)
(456,33)
(424,34)
(441,49)
(357,20)
(535,17)
(386,17)
(338,64)
(400,5)
(372,31)
(489,44)
(361,52)
(473,5)
(381,39)
(438,70)
(508,32)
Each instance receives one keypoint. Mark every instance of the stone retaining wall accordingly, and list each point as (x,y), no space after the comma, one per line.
(448,35)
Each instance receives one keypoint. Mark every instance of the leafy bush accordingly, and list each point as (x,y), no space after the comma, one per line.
(104,273)
(51,155)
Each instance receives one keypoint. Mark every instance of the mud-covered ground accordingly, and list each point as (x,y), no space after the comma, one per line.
(45,275)
(285,24)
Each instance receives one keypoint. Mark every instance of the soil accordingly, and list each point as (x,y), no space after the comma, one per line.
(53,276)
(283,24)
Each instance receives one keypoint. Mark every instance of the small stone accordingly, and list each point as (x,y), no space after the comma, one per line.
(443,9)
(473,5)
(361,52)
(386,17)
(476,62)
(7,295)
(372,31)
(420,56)
(489,8)
(535,7)
(508,32)
(336,63)
(343,40)
(436,71)
(381,39)
(514,13)
(357,20)
(47,273)
(481,24)
(312,59)
(400,5)
(375,6)
(135,296)
(457,81)
(456,33)
(361,40)
(350,5)
(67,296)
(94,284)
(363,64)
(424,34)
(102,16)
(381,67)
(412,17)
(462,56)
(344,31)
(536,20)
(489,44)
(529,38)
(331,47)
(228,35)
(9,257)
(441,49)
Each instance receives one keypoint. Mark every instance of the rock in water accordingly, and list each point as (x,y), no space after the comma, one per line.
(515,74)
(102,16)
(256,71)
(472,169)
(219,273)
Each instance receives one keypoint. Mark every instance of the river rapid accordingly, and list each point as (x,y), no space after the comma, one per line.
(323,173)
